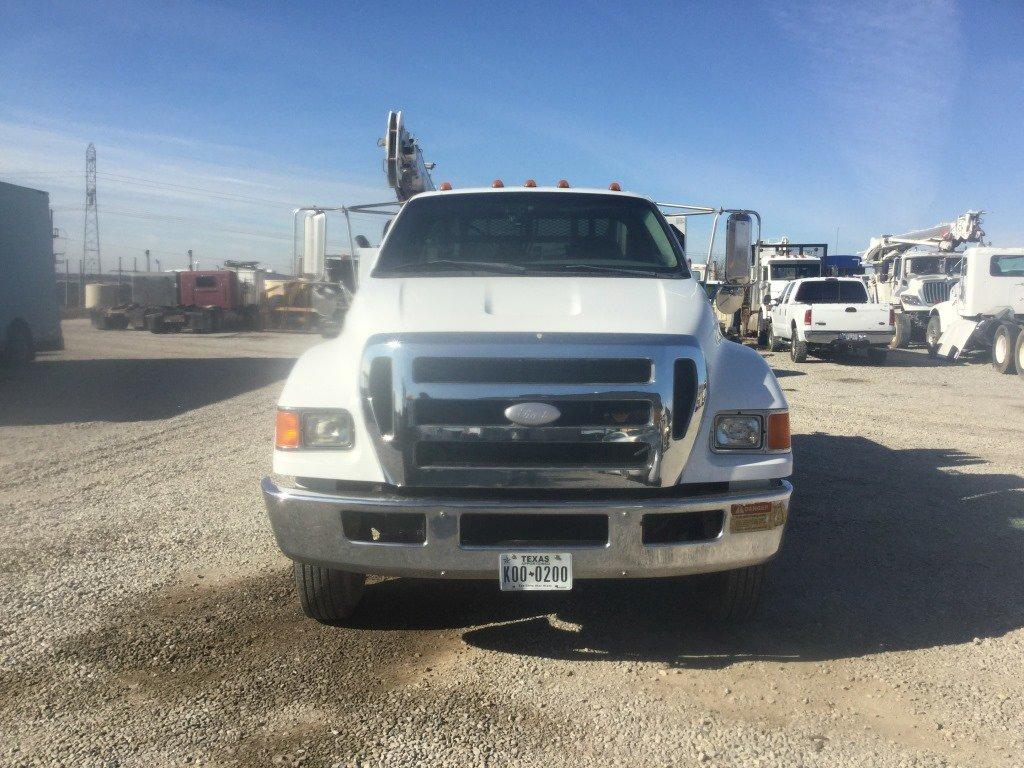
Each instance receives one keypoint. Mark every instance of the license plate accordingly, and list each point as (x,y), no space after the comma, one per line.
(853,336)
(534,571)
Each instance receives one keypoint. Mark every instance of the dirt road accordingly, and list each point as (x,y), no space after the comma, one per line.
(149,619)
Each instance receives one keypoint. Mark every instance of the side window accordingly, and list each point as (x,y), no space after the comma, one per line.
(1007,266)
(206,281)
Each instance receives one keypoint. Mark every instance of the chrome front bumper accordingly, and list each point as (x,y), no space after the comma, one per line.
(308,527)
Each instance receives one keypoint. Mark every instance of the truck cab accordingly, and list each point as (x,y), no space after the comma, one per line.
(530,387)
(985,309)
(915,282)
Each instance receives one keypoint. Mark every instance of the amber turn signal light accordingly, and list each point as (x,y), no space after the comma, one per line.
(288,430)
(778,432)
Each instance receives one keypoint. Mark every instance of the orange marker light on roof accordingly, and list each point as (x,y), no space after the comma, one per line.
(288,430)
(615,186)
(497,183)
(445,186)
(530,183)
(562,184)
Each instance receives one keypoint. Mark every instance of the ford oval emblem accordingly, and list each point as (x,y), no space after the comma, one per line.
(532,414)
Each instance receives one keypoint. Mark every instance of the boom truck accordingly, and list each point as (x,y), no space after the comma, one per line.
(915,271)
(530,387)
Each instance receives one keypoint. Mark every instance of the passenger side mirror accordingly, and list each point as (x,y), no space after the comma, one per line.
(738,232)
(768,301)
(313,243)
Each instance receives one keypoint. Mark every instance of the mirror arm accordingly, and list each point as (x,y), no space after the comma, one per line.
(352,250)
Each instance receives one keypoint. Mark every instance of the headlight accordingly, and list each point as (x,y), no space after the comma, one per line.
(911,300)
(319,429)
(738,432)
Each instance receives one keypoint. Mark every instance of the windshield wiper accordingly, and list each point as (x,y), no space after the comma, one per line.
(599,268)
(501,267)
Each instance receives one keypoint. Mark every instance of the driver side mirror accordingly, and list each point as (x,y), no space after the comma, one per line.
(738,231)
(768,301)
(313,243)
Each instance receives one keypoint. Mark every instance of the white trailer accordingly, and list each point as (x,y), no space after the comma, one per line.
(29,316)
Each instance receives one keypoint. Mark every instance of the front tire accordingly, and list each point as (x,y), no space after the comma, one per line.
(1003,348)
(904,332)
(733,596)
(932,335)
(327,595)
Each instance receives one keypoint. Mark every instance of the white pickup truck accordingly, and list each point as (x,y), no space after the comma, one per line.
(823,314)
(530,387)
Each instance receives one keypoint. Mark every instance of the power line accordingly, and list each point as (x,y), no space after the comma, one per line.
(150,216)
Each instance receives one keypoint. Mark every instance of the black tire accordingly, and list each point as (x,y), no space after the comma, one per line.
(932,335)
(775,344)
(1018,354)
(762,334)
(797,349)
(904,332)
(327,595)
(20,349)
(877,355)
(1003,348)
(733,596)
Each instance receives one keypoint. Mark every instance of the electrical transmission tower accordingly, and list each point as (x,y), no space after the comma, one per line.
(91,239)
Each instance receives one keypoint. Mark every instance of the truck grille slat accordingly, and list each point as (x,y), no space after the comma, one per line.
(575,413)
(486,370)
(440,453)
(936,292)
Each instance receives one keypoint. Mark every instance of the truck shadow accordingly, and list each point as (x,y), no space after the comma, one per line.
(65,391)
(886,550)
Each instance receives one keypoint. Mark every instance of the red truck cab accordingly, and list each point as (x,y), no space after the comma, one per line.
(210,288)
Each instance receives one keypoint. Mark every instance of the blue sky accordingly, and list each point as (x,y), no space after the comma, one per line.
(212,120)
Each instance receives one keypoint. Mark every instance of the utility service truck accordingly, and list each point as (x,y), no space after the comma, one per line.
(821,315)
(530,387)
(29,316)
(985,309)
(915,271)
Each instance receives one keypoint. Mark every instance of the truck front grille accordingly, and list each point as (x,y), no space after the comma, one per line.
(936,291)
(628,409)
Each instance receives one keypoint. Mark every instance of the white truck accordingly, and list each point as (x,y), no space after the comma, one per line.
(829,314)
(773,267)
(530,387)
(985,309)
(914,271)
(29,316)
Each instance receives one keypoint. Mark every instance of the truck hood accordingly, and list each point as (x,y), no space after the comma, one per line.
(529,305)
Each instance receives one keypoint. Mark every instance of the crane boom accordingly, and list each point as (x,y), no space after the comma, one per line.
(943,237)
(407,173)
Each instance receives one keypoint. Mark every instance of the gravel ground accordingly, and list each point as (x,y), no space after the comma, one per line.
(149,619)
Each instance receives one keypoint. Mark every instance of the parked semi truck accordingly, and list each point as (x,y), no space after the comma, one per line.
(201,301)
(985,309)
(530,387)
(29,316)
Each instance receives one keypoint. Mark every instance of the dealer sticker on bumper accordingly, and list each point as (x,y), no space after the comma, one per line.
(534,571)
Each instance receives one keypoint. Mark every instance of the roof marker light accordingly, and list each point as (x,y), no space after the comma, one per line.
(497,183)
(530,183)
(615,186)
(445,186)
(562,184)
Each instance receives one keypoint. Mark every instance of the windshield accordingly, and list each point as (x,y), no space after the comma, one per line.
(955,266)
(795,271)
(531,233)
(832,292)
(928,265)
